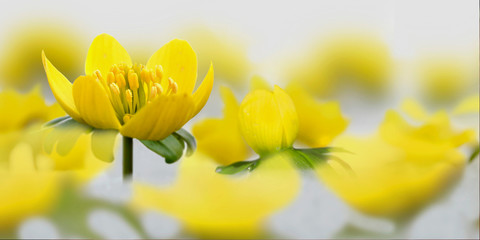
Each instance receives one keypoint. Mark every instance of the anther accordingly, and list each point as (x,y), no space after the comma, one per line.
(159,71)
(144,75)
(110,78)
(153,92)
(129,95)
(120,79)
(158,87)
(133,80)
(114,89)
(172,85)
(98,74)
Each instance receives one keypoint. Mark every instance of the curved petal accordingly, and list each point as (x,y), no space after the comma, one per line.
(179,61)
(103,53)
(61,88)
(201,95)
(93,103)
(160,118)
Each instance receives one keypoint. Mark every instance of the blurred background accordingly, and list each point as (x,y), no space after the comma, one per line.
(403,78)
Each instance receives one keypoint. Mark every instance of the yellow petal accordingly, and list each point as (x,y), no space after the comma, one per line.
(213,205)
(202,94)
(221,139)
(179,62)
(319,123)
(468,105)
(61,89)
(268,120)
(414,110)
(93,103)
(103,53)
(160,118)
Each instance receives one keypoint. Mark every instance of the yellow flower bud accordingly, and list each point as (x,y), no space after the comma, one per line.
(268,120)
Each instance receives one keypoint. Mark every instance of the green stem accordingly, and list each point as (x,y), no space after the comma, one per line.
(127,157)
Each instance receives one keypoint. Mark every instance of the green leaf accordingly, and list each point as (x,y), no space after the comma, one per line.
(474,154)
(189,140)
(171,148)
(238,167)
(103,144)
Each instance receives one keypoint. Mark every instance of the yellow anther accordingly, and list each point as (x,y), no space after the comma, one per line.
(133,80)
(172,85)
(126,118)
(158,87)
(110,78)
(114,89)
(129,95)
(144,75)
(120,79)
(159,72)
(115,69)
(98,74)
(153,92)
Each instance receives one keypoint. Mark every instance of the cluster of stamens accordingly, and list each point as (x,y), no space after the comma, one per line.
(132,87)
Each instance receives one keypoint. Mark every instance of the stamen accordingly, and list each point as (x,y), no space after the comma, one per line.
(98,74)
(110,78)
(153,92)
(144,75)
(120,79)
(129,98)
(133,80)
(114,88)
(159,88)
(159,72)
(172,85)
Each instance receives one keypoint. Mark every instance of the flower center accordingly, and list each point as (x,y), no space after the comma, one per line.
(132,87)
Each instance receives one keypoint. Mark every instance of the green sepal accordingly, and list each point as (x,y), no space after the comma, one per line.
(103,144)
(64,134)
(53,122)
(238,167)
(188,139)
(171,148)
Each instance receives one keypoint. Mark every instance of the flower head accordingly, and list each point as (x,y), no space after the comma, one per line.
(141,101)
(268,120)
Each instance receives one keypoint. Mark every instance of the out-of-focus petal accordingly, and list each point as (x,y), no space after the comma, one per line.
(202,94)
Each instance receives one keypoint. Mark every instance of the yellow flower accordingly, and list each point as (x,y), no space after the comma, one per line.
(346,59)
(221,139)
(319,123)
(444,77)
(30,179)
(24,191)
(212,205)
(401,168)
(144,102)
(268,120)
(228,53)
(19,61)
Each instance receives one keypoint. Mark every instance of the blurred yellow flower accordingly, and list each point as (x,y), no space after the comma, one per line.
(212,205)
(30,179)
(344,60)
(24,191)
(19,60)
(468,105)
(226,50)
(444,78)
(115,94)
(221,139)
(399,169)
(319,123)
(268,120)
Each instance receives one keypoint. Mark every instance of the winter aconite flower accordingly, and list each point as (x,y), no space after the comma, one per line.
(399,169)
(149,102)
(211,205)
(141,101)
(268,122)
